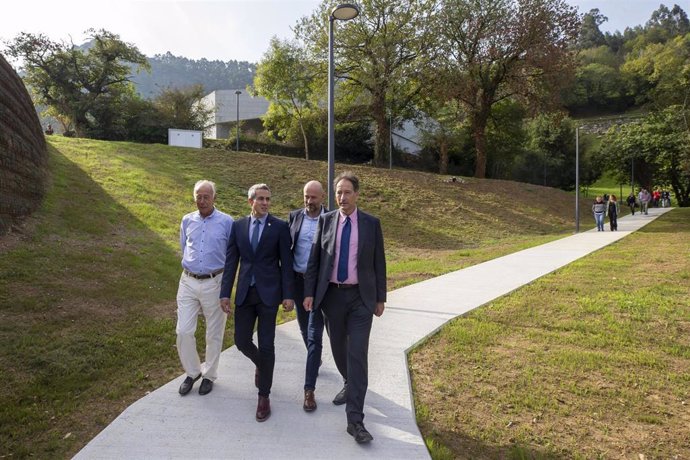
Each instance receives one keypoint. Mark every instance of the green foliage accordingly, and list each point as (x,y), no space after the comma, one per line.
(87,86)
(493,50)
(379,57)
(288,79)
(659,146)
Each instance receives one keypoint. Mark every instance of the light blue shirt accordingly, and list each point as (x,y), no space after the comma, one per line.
(204,241)
(303,243)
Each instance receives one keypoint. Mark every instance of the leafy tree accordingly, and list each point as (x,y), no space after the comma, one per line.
(86,86)
(660,73)
(659,147)
(379,54)
(181,108)
(286,78)
(491,50)
(590,36)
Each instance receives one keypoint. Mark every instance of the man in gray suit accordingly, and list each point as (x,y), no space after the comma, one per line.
(346,279)
(303,224)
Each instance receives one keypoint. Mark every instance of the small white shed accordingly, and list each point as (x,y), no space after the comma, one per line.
(185,138)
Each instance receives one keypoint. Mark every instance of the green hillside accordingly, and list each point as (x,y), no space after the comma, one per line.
(87,285)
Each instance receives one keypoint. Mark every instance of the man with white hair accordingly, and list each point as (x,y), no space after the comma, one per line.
(204,238)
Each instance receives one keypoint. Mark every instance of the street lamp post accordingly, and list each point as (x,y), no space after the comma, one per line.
(577,179)
(237,135)
(342,12)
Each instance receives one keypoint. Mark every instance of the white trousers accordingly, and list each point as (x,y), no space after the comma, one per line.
(193,296)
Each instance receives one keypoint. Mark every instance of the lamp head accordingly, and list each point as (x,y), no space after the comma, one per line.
(345,11)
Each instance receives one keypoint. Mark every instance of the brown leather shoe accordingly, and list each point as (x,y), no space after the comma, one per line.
(256,377)
(309,401)
(263,409)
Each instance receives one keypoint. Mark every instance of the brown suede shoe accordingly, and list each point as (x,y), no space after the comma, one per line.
(309,401)
(263,409)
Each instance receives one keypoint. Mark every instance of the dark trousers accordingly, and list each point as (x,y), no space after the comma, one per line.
(251,312)
(613,221)
(311,326)
(349,323)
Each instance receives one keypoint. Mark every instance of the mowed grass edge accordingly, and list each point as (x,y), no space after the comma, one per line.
(591,361)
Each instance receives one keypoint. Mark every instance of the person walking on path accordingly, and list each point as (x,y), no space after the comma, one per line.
(260,245)
(204,238)
(599,211)
(346,279)
(644,198)
(303,223)
(631,203)
(612,210)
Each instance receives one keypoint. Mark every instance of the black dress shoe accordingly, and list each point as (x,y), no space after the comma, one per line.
(341,397)
(205,387)
(358,432)
(188,383)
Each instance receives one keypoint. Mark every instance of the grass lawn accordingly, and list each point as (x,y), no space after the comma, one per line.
(591,361)
(87,285)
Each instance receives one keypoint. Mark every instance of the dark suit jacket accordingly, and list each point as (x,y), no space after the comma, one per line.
(271,265)
(371,259)
(295,220)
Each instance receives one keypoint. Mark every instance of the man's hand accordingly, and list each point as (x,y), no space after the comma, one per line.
(225,305)
(288,304)
(379,308)
(308,303)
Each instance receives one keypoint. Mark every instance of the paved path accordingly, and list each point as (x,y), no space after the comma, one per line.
(221,425)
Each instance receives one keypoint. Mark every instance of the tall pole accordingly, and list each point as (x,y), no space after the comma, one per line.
(342,12)
(237,135)
(577,179)
(390,141)
(632,175)
(331,116)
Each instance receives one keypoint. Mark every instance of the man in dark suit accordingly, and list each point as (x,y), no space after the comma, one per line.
(303,224)
(260,244)
(346,279)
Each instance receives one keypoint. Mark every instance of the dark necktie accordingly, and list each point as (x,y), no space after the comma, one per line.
(255,235)
(344,251)
(255,243)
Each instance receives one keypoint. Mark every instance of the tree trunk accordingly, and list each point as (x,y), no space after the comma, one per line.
(443,159)
(306,143)
(381,133)
(479,134)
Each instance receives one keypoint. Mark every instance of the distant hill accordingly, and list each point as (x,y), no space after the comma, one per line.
(170,71)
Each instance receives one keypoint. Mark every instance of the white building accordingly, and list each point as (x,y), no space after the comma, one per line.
(225,104)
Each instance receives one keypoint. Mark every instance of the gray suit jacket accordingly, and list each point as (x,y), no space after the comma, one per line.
(371,259)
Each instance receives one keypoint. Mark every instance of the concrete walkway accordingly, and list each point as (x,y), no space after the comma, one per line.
(221,425)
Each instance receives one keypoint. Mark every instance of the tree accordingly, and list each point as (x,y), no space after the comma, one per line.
(286,77)
(380,55)
(85,85)
(590,36)
(181,108)
(493,50)
(659,146)
(660,73)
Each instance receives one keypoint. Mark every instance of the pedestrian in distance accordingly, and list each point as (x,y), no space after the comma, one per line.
(260,245)
(612,211)
(303,223)
(631,203)
(346,279)
(204,236)
(599,211)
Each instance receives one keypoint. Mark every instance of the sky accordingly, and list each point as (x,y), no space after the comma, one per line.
(222,29)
